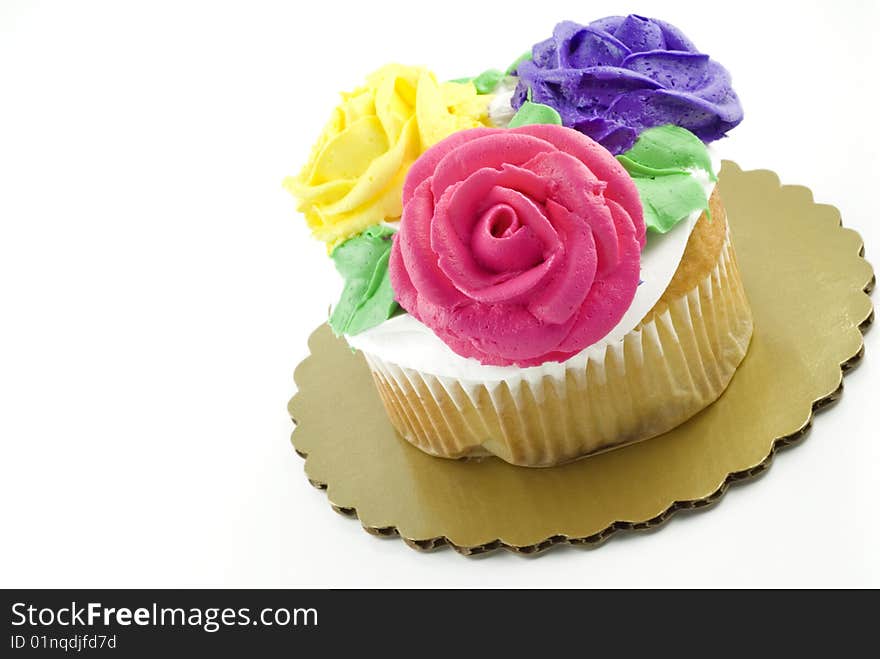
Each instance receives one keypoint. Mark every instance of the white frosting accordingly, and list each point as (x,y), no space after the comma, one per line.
(406,342)
(500,109)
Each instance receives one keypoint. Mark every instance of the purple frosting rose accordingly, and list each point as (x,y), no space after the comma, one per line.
(619,75)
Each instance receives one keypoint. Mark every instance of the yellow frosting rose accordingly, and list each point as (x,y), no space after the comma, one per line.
(355,174)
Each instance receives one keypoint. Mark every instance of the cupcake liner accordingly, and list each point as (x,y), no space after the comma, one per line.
(674,364)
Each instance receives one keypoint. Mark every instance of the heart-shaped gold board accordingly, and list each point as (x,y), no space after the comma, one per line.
(807,283)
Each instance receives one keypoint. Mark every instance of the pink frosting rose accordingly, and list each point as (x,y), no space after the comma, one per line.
(518,246)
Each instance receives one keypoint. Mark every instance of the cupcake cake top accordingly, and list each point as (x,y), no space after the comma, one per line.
(510,221)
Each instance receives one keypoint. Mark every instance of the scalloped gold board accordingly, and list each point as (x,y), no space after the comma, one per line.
(807,284)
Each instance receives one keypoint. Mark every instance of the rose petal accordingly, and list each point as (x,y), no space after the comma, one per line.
(705,119)
(564,292)
(673,38)
(610,296)
(578,189)
(640,34)
(469,198)
(585,89)
(619,184)
(404,292)
(580,47)
(424,167)
(456,260)
(419,260)
(494,150)
(529,210)
(613,135)
(503,334)
(544,54)
(501,244)
(673,70)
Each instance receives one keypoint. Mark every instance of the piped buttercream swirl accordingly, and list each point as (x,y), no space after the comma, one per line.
(518,246)
(617,76)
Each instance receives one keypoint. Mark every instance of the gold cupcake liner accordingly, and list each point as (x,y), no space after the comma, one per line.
(660,374)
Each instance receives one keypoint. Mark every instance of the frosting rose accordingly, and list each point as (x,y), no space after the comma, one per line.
(356,169)
(619,75)
(518,246)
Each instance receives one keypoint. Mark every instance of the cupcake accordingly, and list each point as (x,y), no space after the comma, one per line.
(559,283)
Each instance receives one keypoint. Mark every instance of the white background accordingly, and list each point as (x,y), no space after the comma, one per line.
(157,289)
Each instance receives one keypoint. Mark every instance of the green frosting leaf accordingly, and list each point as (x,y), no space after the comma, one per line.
(670,147)
(669,199)
(519,60)
(661,163)
(367,298)
(639,169)
(535,113)
(486,82)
